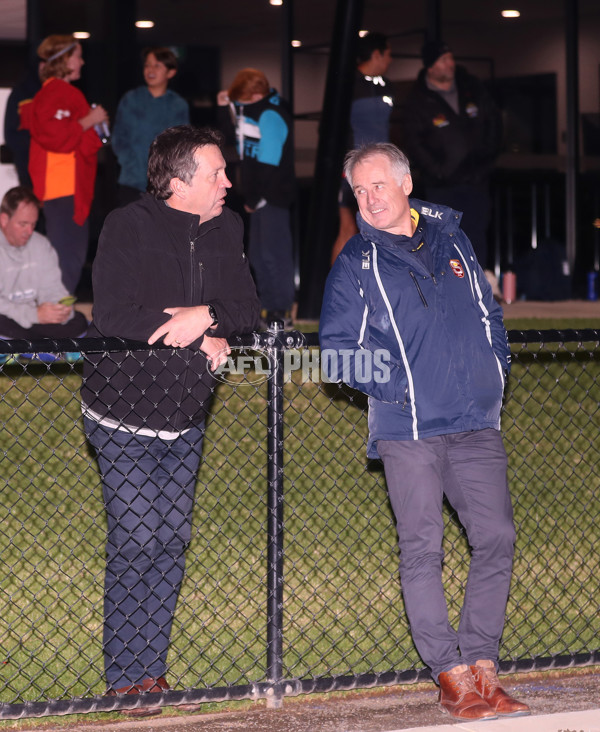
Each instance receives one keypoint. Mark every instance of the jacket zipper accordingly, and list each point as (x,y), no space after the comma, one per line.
(192,288)
(421,295)
(192,270)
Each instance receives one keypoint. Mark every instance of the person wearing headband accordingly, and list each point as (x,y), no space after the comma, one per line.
(63,152)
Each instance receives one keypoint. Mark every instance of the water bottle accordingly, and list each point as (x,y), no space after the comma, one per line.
(509,287)
(102,130)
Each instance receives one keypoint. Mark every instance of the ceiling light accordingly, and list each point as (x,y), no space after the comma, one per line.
(82,35)
(363,33)
(276,2)
(296,44)
(511,14)
(144,24)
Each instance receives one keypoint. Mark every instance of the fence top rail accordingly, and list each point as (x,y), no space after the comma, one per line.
(279,339)
(568,335)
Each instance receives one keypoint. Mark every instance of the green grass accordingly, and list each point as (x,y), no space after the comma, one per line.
(343,610)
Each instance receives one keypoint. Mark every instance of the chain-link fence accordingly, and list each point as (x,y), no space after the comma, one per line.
(291,581)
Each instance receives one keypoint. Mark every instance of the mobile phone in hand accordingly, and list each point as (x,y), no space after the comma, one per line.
(68,300)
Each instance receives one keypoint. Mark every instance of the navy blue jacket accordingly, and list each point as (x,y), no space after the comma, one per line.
(429,348)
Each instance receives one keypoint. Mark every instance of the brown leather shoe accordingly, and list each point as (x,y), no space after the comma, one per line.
(488,685)
(459,697)
(148,685)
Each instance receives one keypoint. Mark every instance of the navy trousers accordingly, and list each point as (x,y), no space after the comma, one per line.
(68,238)
(270,253)
(148,486)
(469,468)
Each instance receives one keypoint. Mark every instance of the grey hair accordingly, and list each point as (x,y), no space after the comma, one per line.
(397,159)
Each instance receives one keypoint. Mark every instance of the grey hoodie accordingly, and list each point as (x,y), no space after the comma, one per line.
(29,276)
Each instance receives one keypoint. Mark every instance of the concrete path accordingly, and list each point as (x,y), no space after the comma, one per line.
(567,701)
(562,722)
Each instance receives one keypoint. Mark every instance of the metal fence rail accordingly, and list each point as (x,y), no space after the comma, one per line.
(292,574)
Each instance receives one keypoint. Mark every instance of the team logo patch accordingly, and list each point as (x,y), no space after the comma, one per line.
(457,268)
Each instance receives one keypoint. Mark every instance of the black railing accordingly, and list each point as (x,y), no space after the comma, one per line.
(292,584)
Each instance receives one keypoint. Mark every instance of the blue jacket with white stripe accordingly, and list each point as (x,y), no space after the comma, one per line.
(429,348)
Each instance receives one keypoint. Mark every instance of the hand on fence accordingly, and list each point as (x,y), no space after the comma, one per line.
(185,326)
(216,350)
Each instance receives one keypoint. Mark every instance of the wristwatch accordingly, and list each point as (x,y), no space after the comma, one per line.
(213,314)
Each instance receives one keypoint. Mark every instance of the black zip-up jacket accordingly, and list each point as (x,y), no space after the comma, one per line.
(151,257)
(446,148)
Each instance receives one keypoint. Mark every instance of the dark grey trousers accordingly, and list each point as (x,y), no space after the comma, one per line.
(469,468)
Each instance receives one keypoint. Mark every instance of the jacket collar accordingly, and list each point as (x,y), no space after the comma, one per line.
(430,214)
(180,221)
(272,98)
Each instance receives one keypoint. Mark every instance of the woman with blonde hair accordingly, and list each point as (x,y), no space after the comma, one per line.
(63,152)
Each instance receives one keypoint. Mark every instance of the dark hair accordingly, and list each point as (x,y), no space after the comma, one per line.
(162,54)
(370,43)
(172,156)
(398,160)
(14,197)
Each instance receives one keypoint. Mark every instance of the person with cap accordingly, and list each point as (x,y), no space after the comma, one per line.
(451,130)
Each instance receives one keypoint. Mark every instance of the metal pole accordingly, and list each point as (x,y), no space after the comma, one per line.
(547,224)
(333,140)
(572,162)
(287,56)
(497,232)
(509,228)
(275,525)
(434,20)
(35,32)
(534,216)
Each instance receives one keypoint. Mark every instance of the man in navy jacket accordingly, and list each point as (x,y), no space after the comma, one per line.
(409,318)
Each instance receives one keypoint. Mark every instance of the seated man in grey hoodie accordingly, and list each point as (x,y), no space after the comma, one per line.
(34,303)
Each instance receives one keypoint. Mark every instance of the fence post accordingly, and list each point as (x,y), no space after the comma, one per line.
(275,523)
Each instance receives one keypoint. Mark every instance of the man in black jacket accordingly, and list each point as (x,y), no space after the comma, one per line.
(452,133)
(170,266)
